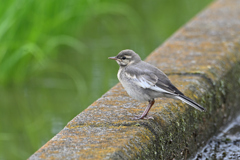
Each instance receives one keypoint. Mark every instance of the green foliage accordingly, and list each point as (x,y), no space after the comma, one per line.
(32,32)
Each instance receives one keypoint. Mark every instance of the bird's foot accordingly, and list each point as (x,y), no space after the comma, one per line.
(139,117)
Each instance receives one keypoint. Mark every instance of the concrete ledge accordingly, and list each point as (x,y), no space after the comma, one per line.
(202,60)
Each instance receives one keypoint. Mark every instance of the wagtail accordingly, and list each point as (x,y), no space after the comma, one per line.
(145,82)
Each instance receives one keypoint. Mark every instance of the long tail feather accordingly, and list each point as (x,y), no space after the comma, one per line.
(190,102)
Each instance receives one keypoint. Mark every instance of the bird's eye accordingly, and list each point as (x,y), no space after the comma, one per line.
(123,58)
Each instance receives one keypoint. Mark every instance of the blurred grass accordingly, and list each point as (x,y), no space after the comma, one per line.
(53,58)
(30,31)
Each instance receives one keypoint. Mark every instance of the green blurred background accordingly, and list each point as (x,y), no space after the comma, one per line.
(53,58)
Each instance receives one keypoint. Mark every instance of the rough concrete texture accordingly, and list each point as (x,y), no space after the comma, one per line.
(202,60)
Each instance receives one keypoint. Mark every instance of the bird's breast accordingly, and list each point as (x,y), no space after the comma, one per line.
(132,89)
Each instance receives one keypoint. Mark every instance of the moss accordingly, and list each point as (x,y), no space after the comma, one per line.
(191,129)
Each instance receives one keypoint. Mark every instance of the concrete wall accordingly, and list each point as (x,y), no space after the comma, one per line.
(202,60)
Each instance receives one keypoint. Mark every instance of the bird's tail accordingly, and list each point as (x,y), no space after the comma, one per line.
(190,102)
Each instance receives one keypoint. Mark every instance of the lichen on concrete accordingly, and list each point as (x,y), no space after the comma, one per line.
(203,60)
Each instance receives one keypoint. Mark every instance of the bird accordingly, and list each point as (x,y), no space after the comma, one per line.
(145,82)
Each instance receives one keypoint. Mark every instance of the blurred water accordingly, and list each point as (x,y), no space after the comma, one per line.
(226,145)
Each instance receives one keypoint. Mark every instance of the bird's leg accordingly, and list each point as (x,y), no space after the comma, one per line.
(143,116)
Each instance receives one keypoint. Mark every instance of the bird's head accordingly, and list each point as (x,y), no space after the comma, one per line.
(126,57)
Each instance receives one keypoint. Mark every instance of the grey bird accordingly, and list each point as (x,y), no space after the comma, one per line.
(145,82)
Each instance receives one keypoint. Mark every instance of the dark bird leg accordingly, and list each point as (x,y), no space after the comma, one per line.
(143,116)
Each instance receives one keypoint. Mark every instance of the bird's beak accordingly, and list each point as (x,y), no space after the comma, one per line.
(113,58)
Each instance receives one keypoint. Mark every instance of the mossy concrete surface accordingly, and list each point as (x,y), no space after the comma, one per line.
(202,60)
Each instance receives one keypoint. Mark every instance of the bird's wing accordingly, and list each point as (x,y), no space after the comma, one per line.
(150,81)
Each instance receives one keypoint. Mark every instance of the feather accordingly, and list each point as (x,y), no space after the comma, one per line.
(147,81)
(190,102)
